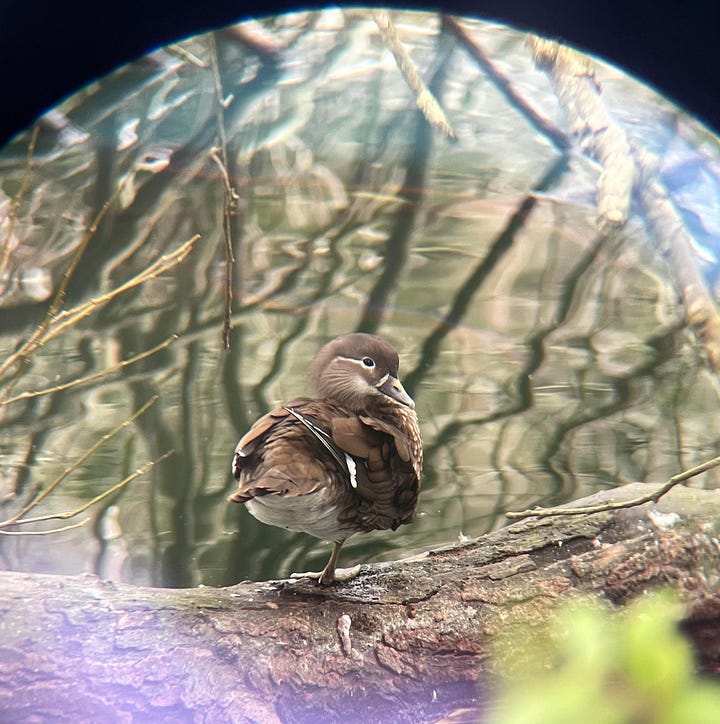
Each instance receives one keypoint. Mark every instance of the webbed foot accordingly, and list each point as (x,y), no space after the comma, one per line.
(330,574)
(327,578)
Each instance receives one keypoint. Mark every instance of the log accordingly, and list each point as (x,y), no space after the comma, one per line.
(406,641)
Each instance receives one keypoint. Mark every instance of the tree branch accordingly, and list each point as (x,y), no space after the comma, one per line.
(404,641)
(611,505)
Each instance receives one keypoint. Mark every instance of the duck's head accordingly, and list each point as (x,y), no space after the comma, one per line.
(360,371)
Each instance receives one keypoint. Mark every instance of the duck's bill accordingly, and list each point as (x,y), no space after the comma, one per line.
(392,387)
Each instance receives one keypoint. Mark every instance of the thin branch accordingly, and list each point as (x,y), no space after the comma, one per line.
(230,198)
(424,99)
(118,486)
(159,266)
(605,507)
(108,436)
(95,376)
(39,334)
(229,204)
(183,53)
(6,246)
(61,529)
(70,317)
(59,299)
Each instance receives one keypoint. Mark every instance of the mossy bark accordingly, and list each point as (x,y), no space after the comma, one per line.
(404,641)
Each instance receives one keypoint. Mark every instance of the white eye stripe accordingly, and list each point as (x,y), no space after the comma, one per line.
(360,363)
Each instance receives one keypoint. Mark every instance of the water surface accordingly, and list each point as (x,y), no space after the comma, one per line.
(548,359)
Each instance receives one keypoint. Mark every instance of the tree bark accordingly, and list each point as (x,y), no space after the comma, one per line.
(407,641)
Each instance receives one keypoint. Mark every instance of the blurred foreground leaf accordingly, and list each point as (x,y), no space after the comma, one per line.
(599,666)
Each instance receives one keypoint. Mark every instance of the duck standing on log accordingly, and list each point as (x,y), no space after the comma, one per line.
(346,461)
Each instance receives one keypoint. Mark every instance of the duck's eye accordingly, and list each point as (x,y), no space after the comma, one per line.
(368,361)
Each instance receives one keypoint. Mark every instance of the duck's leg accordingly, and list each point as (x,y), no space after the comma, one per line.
(329,574)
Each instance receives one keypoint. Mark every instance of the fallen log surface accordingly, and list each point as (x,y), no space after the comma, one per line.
(407,641)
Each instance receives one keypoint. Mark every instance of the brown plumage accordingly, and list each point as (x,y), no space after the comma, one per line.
(347,461)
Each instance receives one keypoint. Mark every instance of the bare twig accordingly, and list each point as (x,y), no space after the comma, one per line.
(424,99)
(61,529)
(605,507)
(229,203)
(43,494)
(81,509)
(6,244)
(159,266)
(219,155)
(59,299)
(35,338)
(95,376)
(61,321)
(182,52)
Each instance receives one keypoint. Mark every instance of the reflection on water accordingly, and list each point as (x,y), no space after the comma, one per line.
(547,359)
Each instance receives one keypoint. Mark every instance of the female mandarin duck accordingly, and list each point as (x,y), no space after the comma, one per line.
(346,461)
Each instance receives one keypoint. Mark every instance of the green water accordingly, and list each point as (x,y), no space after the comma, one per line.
(547,360)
